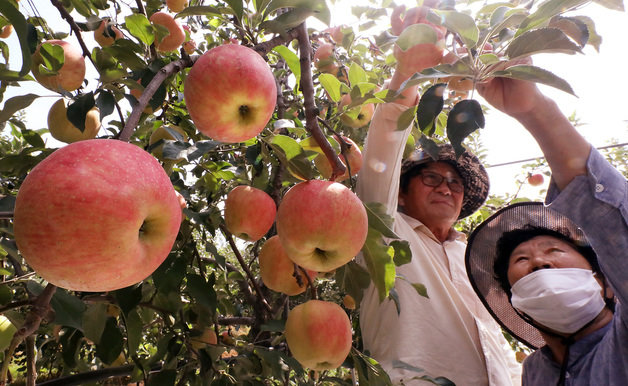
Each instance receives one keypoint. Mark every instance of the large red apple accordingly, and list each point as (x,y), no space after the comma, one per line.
(318,334)
(364,115)
(322,225)
(230,93)
(176,35)
(96,215)
(71,74)
(278,271)
(249,212)
(354,155)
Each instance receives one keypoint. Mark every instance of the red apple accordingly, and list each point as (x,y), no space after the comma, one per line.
(107,33)
(336,33)
(230,93)
(349,302)
(535,179)
(175,38)
(249,212)
(354,155)
(96,215)
(322,225)
(324,59)
(71,74)
(318,334)
(278,271)
(63,130)
(363,117)
(203,337)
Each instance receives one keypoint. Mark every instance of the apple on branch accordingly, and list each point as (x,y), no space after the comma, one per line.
(324,59)
(322,225)
(176,5)
(165,133)
(535,179)
(96,215)
(107,33)
(354,155)
(278,272)
(362,118)
(71,74)
(319,334)
(176,34)
(230,93)
(249,212)
(63,130)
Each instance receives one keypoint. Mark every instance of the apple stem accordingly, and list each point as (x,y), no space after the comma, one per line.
(311,116)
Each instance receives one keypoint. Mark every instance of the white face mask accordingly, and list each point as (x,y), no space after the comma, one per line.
(563,299)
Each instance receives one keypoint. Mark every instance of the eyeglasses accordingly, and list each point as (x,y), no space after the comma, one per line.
(434,179)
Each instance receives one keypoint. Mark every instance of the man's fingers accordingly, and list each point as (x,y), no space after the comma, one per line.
(395,20)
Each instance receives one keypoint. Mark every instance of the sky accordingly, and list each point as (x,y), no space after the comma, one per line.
(598,79)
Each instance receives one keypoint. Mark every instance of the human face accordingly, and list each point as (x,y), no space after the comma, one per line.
(433,204)
(543,252)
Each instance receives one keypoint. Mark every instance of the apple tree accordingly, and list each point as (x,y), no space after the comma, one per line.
(291,110)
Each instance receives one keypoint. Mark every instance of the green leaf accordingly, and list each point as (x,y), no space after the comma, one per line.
(616,5)
(441,381)
(201,291)
(379,261)
(354,278)
(370,372)
(52,56)
(293,62)
(379,219)
(572,27)
(356,75)
(199,10)
(317,8)
(430,105)
(15,104)
(68,309)
(106,103)
(94,320)
(406,118)
(287,21)
(128,298)
(332,85)
(289,145)
(546,11)
(111,342)
(403,254)
(416,34)
(169,276)
(21,28)
(237,6)
(77,111)
(535,74)
(134,328)
(539,41)
(140,27)
(464,119)
(176,150)
(460,23)
(420,289)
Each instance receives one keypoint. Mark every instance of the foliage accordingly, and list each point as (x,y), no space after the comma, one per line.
(210,280)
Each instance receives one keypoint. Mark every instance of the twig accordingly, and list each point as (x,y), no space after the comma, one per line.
(242,320)
(265,47)
(246,269)
(311,112)
(6,215)
(77,31)
(41,306)
(149,91)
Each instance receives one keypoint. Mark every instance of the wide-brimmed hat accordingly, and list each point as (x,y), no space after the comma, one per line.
(481,254)
(469,168)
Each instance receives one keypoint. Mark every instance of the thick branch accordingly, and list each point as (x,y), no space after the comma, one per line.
(311,112)
(245,267)
(6,215)
(239,320)
(266,47)
(149,91)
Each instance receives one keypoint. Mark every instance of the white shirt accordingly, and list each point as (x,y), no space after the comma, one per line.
(450,334)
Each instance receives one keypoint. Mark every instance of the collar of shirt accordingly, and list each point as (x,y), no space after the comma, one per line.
(418,226)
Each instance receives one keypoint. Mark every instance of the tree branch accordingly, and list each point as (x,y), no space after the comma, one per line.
(246,269)
(266,47)
(311,112)
(77,31)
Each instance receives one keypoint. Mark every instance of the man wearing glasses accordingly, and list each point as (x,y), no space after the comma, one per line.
(449,333)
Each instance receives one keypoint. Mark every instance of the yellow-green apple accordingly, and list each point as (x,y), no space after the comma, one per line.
(96,215)
(318,334)
(322,225)
(249,212)
(7,330)
(162,132)
(176,35)
(535,179)
(354,155)
(137,93)
(176,5)
(364,115)
(107,33)
(324,59)
(63,130)
(278,272)
(5,32)
(349,302)
(230,93)
(71,74)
